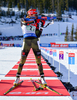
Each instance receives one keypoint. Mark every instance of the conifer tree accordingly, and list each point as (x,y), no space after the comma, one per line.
(66,35)
(72,32)
(75,34)
(53,6)
(0,8)
(44,5)
(10,4)
(40,7)
(66,5)
(19,7)
(47,6)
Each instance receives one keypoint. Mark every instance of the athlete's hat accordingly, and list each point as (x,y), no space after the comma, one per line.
(31,12)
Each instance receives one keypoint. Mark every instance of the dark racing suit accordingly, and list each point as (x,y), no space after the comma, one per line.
(31,33)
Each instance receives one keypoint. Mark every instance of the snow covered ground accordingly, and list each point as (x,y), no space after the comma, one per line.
(8,29)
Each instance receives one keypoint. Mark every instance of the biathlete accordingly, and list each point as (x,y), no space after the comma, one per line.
(31,34)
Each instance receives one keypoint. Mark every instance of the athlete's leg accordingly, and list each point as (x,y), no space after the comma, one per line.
(25,50)
(37,53)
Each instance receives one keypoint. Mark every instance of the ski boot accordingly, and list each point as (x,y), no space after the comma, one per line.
(43,81)
(16,81)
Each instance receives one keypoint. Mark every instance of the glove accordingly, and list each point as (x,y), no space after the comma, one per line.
(42,23)
(38,33)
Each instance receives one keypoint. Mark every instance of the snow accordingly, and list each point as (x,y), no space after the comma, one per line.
(57,28)
(10,55)
(9,30)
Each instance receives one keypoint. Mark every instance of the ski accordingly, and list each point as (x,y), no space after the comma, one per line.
(52,89)
(46,86)
(36,89)
(13,87)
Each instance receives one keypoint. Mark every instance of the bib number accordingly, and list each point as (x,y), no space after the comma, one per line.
(30,28)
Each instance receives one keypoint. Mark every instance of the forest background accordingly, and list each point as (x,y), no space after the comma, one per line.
(43,6)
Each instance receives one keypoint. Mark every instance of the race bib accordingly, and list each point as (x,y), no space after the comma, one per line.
(30,28)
